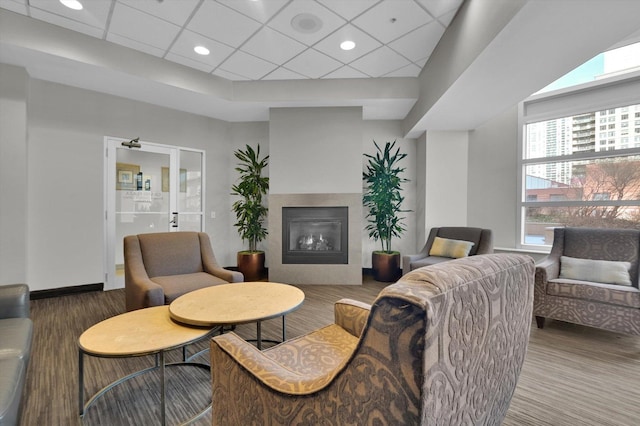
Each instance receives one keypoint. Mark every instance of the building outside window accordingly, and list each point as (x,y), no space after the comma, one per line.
(572,172)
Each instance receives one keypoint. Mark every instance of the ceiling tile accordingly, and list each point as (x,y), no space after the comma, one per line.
(437,8)
(136,45)
(380,62)
(142,27)
(187,40)
(220,23)
(392,19)
(94,13)
(410,70)
(229,75)
(188,62)
(331,44)
(283,74)
(259,10)
(247,65)
(273,46)
(447,17)
(176,12)
(419,43)
(17,6)
(346,72)
(348,9)
(64,22)
(329,21)
(312,63)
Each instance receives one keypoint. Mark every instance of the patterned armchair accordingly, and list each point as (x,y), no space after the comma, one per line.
(590,297)
(442,346)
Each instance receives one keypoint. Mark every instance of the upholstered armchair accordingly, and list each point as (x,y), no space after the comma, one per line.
(442,346)
(160,267)
(482,240)
(591,278)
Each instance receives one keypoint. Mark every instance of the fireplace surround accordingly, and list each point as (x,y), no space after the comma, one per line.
(349,272)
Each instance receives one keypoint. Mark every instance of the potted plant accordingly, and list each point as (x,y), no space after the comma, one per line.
(250,210)
(383,200)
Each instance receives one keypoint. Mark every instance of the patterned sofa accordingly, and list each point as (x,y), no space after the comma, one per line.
(442,346)
(585,297)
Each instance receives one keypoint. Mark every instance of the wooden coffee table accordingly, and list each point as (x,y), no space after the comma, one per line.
(142,332)
(238,303)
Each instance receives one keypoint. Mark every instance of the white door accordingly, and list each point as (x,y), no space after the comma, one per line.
(148,188)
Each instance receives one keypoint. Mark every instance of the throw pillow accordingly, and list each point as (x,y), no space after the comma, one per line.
(601,271)
(445,247)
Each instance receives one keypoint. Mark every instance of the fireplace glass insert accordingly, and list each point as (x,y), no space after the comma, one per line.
(315,235)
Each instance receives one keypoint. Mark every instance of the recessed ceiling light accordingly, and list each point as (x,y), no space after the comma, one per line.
(347,45)
(201,50)
(72,4)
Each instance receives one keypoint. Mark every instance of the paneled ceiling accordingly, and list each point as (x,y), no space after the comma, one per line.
(264,39)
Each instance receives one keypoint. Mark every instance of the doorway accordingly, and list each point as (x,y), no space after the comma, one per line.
(148,188)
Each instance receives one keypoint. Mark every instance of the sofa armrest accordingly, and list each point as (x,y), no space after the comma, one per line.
(224,274)
(351,315)
(547,269)
(255,363)
(14,301)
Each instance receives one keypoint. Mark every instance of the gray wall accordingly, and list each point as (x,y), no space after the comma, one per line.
(13,174)
(492,172)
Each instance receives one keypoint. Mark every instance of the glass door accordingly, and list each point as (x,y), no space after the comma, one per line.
(149,188)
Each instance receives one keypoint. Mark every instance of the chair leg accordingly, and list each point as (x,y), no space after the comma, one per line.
(540,322)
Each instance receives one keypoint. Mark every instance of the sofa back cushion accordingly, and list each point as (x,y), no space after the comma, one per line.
(171,253)
(622,245)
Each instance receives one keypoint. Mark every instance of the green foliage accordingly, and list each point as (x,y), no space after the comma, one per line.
(382,195)
(252,186)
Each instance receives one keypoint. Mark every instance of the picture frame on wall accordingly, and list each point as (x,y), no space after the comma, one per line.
(126,176)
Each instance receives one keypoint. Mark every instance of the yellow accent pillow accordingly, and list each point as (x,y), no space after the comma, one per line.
(445,247)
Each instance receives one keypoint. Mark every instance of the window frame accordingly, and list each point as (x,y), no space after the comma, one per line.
(601,95)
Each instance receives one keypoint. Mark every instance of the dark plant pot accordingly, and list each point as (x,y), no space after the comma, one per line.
(251,265)
(386,267)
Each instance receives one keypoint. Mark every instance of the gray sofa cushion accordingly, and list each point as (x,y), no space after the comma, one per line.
(12,376)
(175,286)
(15,338)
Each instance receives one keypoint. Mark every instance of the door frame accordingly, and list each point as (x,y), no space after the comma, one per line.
(111,144)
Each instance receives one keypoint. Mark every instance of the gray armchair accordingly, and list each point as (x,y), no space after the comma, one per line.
(442,346)
(482,240)
(162,266)
(584,299)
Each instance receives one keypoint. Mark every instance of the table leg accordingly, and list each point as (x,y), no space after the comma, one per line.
(284,329)
(163,414)
(81,381)
(259,334)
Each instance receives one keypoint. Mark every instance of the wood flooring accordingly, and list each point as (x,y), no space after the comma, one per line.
(573,375)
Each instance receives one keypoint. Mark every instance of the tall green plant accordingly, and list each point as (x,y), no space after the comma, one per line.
(252,186)
(382,194)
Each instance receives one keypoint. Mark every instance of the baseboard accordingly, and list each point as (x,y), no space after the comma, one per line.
(65,291)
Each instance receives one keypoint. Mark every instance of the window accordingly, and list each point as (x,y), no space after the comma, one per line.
(575,176)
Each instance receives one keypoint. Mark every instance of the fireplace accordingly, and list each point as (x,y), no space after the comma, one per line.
(315,235)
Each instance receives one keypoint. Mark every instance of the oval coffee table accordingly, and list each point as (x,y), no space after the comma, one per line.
(237,303)
(141,332)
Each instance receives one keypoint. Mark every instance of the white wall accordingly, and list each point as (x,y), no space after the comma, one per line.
(446,179)
(383,131)
(13,174)
(492,190)
(66,127)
